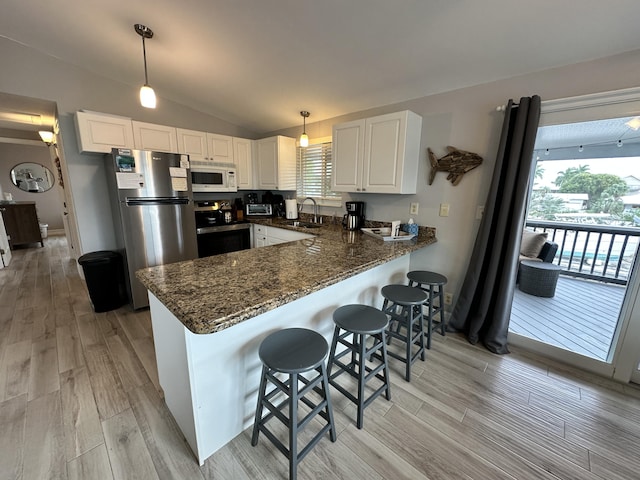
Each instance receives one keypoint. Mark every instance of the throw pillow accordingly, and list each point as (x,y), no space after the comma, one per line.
(532,243)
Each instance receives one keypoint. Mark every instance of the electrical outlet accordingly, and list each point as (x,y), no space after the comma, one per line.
(479,212)
(444,209)
(413,210)
(448,298)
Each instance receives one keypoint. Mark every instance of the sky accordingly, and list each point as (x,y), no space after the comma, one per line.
(621,167)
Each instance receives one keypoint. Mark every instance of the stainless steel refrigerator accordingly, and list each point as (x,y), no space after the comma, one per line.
(153,214)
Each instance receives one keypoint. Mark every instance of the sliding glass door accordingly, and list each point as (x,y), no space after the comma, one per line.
(586,197)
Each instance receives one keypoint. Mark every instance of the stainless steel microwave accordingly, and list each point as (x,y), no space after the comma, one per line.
(213,177)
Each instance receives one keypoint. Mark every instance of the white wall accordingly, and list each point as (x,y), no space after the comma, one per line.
(467,119)
(48,204)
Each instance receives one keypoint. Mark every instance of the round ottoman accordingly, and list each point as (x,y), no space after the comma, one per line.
(539,278)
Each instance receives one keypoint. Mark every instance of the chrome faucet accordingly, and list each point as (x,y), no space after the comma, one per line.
(315,208)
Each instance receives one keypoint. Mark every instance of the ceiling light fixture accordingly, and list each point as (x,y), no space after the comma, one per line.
(304,138)
(634,123)
(147,95)
(47,137)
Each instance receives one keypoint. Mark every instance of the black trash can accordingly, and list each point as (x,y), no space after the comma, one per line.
(104,274)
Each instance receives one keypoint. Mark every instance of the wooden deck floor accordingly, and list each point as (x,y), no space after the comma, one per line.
(581,317)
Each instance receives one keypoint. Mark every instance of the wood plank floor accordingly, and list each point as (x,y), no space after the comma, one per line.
(79,400)
(582,316)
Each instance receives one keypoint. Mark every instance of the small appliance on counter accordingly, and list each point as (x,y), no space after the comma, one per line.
(354,218)
(291,208)
(259,210)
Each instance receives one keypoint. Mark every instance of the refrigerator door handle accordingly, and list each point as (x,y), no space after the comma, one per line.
(142,201)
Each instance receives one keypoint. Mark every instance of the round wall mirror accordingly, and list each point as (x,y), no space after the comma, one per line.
(32,177)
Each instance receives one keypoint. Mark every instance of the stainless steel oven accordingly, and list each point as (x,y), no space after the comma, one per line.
(218,230)
(223,239)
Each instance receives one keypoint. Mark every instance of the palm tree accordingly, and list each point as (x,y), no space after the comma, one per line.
(568,173)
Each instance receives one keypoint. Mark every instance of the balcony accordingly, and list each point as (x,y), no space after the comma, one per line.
(582,316)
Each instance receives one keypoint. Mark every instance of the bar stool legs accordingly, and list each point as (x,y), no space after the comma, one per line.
(402,304)
(433,283)
(292,352)
(360,323)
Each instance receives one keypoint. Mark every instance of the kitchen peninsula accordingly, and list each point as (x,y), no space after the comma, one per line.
(209,316)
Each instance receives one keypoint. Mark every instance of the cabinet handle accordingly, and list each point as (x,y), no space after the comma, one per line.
(364,189)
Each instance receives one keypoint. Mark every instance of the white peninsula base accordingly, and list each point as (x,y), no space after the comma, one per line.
(210,381)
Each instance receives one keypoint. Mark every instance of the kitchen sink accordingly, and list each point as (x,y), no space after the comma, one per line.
(305,225)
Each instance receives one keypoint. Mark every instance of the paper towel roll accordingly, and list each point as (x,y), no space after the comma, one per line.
(291,207)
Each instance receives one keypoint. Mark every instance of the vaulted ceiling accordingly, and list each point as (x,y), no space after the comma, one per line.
(257,63)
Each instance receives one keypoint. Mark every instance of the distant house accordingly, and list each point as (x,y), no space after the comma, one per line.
(633,183)
(571,202)
(631,201)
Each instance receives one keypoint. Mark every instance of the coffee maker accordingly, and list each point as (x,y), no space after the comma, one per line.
(354,218)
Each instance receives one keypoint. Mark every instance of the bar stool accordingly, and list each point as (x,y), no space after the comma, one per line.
(293,351)
(405,299)
(433,283)
(360,322)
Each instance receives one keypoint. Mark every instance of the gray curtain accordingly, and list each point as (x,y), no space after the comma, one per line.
(483,309)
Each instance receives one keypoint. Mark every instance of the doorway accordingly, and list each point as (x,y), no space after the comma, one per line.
(21,119)
(592,320)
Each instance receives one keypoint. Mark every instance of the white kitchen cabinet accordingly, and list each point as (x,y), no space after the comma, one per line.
(99,132)
(378,154)
(263,235)
(276,163)
(259,236)
(192,143)
(205,146)
(220,148)
(159,138)
(242,153)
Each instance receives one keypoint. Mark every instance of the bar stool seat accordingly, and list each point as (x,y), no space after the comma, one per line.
(405,299)
(433,283)
(360,323)
(293,352)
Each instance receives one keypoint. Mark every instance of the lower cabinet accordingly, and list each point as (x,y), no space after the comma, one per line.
(21,223)
(264,236)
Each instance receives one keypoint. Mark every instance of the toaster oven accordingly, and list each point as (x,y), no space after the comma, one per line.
(259,209)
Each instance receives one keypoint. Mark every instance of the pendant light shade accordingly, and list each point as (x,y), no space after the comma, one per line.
(304,138)
(147,95)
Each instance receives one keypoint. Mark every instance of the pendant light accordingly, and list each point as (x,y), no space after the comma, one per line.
(147,95)
(304,138)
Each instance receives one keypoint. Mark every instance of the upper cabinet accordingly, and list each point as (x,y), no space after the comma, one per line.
(99,133)
(378,154)
(242,152)
(159,138)
(276,163)
(193,143)
(205,146)
(220,148)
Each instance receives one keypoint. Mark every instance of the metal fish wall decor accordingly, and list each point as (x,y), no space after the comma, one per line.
(456,162)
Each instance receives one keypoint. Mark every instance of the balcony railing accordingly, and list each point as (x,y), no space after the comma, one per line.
(598,252)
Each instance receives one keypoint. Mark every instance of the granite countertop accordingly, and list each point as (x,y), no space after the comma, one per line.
(213,293)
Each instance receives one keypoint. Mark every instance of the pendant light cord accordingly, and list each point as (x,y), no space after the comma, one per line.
(144,56)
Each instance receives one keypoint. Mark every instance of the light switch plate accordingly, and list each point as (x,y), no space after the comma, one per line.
(444,209)
(479,212)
